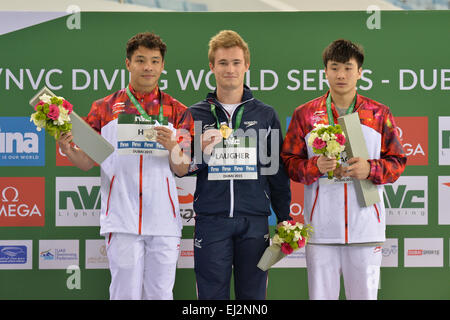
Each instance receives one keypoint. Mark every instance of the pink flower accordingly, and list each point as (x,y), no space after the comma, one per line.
(40,103)
(292,222)
(54,112)
(301,243)
(286,248)
(68,106)
(340,139)
(319,143)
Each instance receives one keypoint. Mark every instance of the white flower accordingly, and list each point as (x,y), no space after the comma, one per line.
(63,114)
(326,137)
(333,149)
(38,123)
(45,98)
(312,137)
(277,240)
(319,125)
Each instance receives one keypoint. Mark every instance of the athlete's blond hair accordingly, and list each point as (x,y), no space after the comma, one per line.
(227,39)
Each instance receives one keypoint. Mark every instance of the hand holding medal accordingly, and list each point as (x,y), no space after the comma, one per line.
(209,139)
(165,137)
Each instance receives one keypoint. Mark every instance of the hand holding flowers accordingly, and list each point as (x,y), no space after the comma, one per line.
(327,140)
(290,236)
(52,114)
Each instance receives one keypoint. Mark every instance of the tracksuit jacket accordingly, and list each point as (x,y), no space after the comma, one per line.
(139,194)
(240,197)
(333,210)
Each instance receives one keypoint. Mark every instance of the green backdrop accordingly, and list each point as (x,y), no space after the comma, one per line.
(288,44)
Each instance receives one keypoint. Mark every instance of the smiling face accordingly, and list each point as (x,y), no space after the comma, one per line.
(229,68)
(145,67)
(343,77)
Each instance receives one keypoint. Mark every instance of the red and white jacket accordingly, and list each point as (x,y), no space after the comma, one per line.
(332,209)
(139,194)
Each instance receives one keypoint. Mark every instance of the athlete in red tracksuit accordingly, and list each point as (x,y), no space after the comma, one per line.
(140,216)
(347,237)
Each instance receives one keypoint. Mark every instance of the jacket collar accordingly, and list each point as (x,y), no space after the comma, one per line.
(211,97)
(154,95)
(358,104)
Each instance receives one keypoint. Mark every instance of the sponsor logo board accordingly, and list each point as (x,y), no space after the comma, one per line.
(16,254)
(96,257)
(20,143)
(58,254)
(424,252)
(414,141)
(78,201)
(186,258)
(406,201)
(22,201)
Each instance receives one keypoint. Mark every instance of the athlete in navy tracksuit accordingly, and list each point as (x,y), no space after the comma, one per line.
(231,223)
(231,215)
(232,208)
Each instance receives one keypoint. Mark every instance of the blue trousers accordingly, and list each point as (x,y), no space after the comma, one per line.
(223,244)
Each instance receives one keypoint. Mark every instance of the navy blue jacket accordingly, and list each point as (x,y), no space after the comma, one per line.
(241,197)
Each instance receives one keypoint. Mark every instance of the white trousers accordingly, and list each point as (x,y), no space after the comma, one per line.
(359,265)
(142,267)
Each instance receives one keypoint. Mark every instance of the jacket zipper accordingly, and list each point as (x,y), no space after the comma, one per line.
(231,181)
(230,124)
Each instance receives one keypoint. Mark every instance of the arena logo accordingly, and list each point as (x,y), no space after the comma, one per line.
(78,201)
(406,201)
(20,143)
(414,142)
(22,201)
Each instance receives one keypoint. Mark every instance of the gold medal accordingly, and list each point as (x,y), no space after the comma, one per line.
(225,131)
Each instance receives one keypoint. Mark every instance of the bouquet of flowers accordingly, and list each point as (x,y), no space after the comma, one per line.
(327,140)
(52,114)
(289,237)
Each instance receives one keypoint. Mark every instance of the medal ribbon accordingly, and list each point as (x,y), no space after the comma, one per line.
(238,117)
(330,112)
(142,111)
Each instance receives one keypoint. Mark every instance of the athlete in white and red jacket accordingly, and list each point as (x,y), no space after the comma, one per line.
(140,213)
(347,237)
